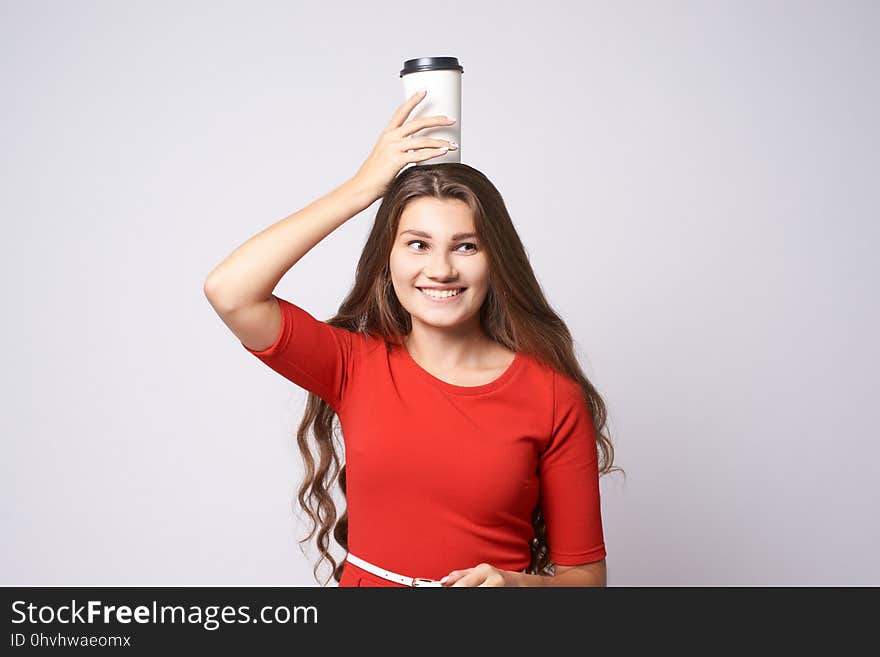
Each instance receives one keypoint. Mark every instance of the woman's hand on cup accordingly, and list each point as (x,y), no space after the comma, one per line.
(396,148)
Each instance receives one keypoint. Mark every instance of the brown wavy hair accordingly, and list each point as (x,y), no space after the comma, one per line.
(515,314)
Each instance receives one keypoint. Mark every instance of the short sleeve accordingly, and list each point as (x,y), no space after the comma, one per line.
(569,475)
(312,354)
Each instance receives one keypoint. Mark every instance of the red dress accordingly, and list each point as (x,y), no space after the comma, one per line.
(442,477)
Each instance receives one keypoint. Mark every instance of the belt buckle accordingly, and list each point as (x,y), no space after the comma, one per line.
(425,580)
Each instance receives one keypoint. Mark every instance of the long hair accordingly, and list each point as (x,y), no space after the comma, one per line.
(515,314)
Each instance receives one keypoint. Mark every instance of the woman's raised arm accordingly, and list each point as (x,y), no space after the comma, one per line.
(250,274)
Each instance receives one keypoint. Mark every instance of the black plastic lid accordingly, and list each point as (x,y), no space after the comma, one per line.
(430,64)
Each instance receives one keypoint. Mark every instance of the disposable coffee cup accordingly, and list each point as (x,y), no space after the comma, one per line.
(441,76)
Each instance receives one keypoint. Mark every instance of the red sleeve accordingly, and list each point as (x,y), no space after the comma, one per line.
(569,475)
(313,354)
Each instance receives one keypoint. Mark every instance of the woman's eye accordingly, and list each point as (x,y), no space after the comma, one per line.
(471,244)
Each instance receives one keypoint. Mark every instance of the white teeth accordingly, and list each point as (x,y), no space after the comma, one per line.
(441,294)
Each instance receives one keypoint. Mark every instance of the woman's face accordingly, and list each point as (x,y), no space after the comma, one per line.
(437,246)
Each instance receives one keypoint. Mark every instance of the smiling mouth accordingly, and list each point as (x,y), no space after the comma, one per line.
(444,295)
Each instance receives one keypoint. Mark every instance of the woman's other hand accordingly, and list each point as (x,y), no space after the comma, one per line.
(480,575)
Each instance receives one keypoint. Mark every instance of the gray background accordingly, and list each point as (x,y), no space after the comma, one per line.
(696,184)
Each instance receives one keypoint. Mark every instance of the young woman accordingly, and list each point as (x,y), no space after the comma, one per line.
(471,435)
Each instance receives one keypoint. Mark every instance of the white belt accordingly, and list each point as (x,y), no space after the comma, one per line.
(389,575)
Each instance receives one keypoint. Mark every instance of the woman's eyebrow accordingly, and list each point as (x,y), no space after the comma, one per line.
(457,236)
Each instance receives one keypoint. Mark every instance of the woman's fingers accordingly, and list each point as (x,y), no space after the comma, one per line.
(424,148)
(395,148)
(424,122)
(403,111)
(427,153)
(429,142)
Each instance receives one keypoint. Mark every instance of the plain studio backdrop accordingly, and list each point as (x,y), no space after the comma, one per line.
(696,184)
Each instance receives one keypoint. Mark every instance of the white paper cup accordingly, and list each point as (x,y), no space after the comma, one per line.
(441,76)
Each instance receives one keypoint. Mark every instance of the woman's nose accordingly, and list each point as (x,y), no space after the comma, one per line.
(440,266)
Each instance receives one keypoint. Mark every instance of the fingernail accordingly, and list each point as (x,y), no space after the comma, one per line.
(443,581)
(422,91)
